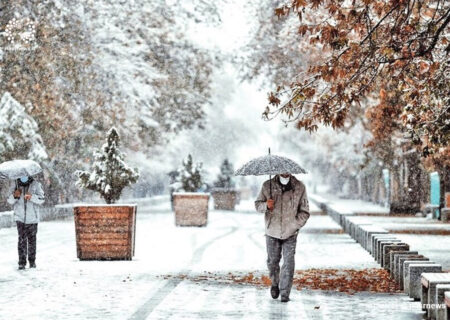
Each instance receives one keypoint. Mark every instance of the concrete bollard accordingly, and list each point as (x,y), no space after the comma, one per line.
(367,232)
(413,280)
(429,281)
(380,245)
(368,237)
(394,255)
(405,274)
(400,266)
(375,237)
(354,227)
(343,216)
(387,249)
(361,233)
(440,301)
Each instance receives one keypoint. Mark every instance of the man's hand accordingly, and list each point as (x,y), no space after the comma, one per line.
(17,193)
(28,196)
(270,204)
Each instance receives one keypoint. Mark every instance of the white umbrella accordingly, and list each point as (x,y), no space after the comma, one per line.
(269,164)
(15,169)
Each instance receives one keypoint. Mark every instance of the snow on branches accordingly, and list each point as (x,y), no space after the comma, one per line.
(19,133)
(110,173)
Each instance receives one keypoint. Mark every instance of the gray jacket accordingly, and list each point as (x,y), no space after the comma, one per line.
(291,208)
(27,211)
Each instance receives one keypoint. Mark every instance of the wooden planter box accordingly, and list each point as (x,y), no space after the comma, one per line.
(191,208)
(105,232)
(224,199)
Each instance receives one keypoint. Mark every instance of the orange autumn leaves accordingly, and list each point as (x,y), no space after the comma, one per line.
(346,280)
(372,50)
(342,280)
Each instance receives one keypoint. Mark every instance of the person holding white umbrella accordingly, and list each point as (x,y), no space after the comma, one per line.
(25,196)
(284,202)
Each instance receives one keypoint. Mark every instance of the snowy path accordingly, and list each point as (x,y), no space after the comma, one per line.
(64,288)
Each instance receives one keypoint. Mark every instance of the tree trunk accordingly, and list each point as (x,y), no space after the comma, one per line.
(407,183)
(444,177)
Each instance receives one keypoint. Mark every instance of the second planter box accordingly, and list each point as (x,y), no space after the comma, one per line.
(191,208)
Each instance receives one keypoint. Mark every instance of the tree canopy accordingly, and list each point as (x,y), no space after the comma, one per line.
(389,58)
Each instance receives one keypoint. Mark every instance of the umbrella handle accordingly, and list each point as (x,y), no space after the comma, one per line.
(270,177)
(270,184)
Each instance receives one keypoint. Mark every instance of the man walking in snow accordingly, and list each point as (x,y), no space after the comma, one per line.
(25,196)
(286,211)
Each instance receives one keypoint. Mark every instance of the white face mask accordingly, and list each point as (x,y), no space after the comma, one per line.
(284,180)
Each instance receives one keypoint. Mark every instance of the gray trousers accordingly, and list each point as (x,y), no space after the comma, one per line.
(275,248)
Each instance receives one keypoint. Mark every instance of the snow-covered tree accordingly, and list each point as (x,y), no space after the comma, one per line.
(225,177)
(158,80)
(55,74)
(111,174)
(274,41)
(93,65)
(19,133)
(189,178)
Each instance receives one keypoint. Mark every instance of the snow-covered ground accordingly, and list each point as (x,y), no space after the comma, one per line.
(349,205)
(429,237)
(62,287)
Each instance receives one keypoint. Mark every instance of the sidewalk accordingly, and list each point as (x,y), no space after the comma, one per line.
(147,287)
(349,205)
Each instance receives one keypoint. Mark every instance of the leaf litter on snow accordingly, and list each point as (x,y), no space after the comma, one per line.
(342,280)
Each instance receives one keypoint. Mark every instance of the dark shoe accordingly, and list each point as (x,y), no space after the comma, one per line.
(284,299)
(21,266)
(274,291)
(32,265)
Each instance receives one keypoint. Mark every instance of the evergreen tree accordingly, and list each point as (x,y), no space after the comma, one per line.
(110,174)
(225,178)
(19,136)
(190,175)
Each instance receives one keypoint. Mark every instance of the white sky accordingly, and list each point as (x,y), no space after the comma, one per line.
(248,100)
(231,34)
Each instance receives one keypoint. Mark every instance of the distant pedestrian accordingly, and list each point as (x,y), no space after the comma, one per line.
(25,196)
(285,213)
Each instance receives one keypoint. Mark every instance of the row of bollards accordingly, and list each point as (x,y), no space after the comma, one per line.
(420,278)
